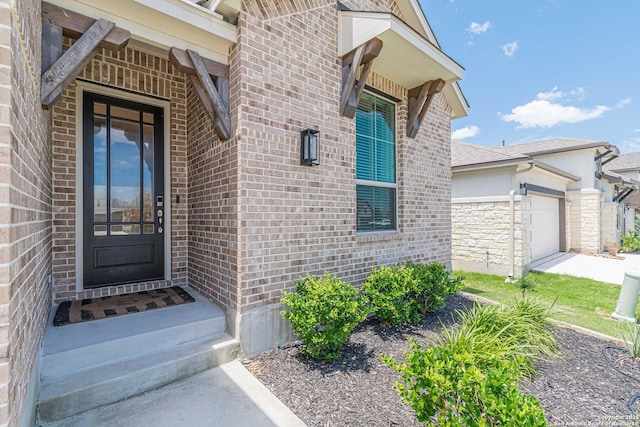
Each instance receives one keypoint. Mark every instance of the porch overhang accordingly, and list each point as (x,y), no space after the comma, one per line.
(407,57)
(163,24)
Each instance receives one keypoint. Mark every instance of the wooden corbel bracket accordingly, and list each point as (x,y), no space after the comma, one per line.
(214,94)
(59,69)
(419,100)
(352,89)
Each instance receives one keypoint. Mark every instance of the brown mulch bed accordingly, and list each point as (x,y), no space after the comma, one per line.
(578,387)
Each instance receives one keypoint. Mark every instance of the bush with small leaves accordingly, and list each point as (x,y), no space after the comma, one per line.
(631,242)
(323,312)
(390,292)
(403,293)
(434,284)
(448,388)
(526,283)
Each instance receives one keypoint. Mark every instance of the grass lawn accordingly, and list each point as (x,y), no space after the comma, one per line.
(583,302)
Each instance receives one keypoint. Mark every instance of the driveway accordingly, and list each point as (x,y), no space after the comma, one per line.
(603,269)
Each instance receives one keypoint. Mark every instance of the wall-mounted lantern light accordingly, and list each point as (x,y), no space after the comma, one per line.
(309,141)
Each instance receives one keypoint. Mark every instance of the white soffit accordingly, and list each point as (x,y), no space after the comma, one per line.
(406,57)
(164,24)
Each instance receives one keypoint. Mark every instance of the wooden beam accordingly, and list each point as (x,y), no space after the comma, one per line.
(74,25)
(69,65)
(181,60)
(51,44)
(371,52)
(210,97)
(351,62)
(419,101)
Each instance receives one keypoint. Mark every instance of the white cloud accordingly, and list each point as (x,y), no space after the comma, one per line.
(510,49)
(623,102)
(465,132)
(476,28)
(544,113)
(551,95)
(579,93)
(636,131)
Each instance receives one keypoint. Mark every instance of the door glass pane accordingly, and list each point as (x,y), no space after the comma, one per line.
(148,229)
(147,117)
(125,229)
(125,171)
(99,230)
(147,173)
(99,169)
(125,113)
(100,109)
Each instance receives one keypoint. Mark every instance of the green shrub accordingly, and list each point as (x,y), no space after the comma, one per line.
(448,388)
(323,312)
(632,342)
(471,377)
(435,283)
(631,242)
(403,293)
(526,283)
(389,291)
(517,331)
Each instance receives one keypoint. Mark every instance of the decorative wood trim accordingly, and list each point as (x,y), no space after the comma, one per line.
(74,25)
(217,105)
(69,65)
(351,62)
(51,44)
(181,60)
(419,100)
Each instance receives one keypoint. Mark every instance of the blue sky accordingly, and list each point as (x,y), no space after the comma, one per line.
(536,69)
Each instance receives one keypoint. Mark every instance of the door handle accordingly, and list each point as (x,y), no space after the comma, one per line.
(159,214)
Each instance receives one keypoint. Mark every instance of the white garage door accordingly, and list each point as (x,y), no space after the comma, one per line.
(545,227)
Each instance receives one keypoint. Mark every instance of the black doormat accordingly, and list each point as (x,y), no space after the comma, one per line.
(85,310)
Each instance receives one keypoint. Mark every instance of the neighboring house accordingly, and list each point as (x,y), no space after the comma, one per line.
(168,152)
(627,168)
(518,204)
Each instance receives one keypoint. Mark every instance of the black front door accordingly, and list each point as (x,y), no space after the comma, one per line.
(123,191)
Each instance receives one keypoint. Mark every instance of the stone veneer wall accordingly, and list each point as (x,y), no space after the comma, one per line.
(144,74)
(294,220)
(480,236)
(25,210)
(585,217)
(610,232)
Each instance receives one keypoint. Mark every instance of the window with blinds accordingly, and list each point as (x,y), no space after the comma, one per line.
(375,164)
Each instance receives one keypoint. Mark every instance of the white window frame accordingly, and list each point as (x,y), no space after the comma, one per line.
(384,184)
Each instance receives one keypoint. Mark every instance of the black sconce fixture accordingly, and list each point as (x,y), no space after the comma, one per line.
(309,139)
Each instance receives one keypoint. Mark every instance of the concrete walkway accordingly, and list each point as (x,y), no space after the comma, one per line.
(603,269)
(226,396)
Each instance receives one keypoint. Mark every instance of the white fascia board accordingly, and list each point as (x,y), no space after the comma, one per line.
(164,24)
(356,28)
(457,101)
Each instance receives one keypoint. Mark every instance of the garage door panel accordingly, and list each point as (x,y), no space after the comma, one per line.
(545,226)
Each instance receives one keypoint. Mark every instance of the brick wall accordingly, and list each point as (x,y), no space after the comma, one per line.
(25,209)
(480,236)
(213,208)
(139,72)
(294,219)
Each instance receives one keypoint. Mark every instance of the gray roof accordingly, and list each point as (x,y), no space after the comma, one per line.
(463,153)
(554,145)
(628,161)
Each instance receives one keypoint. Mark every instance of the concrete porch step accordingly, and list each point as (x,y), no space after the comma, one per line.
(91,388)
(91,364)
